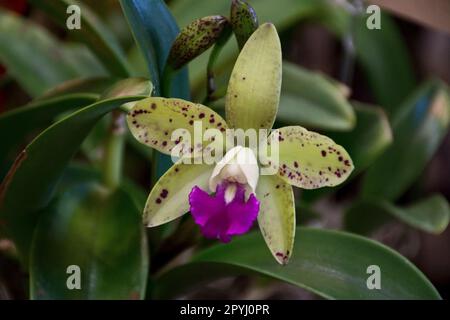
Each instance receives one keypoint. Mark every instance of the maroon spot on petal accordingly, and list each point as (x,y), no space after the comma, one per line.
(164,193)
(347,163)
(191,122)
(158,200)
(153,106)
(170,120)
(340,158)
(201,115)
(164,143)
(324,153)
(176,169)
(296,164)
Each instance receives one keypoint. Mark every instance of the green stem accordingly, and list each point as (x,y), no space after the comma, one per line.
(166,81)
(213,58)
(113,156)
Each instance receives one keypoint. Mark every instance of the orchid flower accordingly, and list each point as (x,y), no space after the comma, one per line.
(226,197)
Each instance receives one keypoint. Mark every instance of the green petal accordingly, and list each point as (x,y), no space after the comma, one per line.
(277,216)
(254,88)
(152,121)
(309,160)
(168,199)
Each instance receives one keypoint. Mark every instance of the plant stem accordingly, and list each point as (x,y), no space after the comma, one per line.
(113,156)
(166,81)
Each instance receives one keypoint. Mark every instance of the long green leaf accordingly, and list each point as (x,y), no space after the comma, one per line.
(310,99)
(100,233)
(329,263)
(431,215)
(92,32)
(385,59)
(155,29)
(20,123)
(38,61)
(29,184)
(93,85)
(370,137)
(419,127)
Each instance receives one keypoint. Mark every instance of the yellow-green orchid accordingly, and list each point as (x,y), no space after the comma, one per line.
(226,197)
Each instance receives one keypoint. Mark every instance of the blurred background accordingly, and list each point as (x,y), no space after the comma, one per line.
(417,34)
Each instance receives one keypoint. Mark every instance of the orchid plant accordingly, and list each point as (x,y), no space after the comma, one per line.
(225,198)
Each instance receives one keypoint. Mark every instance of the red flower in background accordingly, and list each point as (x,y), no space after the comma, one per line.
(19,6)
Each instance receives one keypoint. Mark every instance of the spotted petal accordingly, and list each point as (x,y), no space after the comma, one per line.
(276,217)
(254,88)
(168,199)
(152,121)
(309,160)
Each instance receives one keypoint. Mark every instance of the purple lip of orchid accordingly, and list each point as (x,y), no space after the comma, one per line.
(219,219)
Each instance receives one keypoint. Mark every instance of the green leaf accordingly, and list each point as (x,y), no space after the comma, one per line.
(155,29)
(431,214)
(386,62)
(92,32)
(276,217)
(254,89)
(312,100)
(21,123)
(419,127)
(370,137)
(38,61)
(100,233)
(83,60)
(95,85)
(156,122)
(309,160)
(331,264)
(33,176)
(168,199)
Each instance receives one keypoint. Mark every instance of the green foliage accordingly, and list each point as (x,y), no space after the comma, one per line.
(59,143)
(431,215)
(312,100)
(93,33)
(38,61)
(102,234)
(329,263)
(419,127)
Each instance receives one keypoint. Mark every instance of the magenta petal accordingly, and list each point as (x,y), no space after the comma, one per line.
(219,220)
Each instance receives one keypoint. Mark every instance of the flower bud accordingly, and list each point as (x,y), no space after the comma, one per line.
(194,39)
(244,21)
